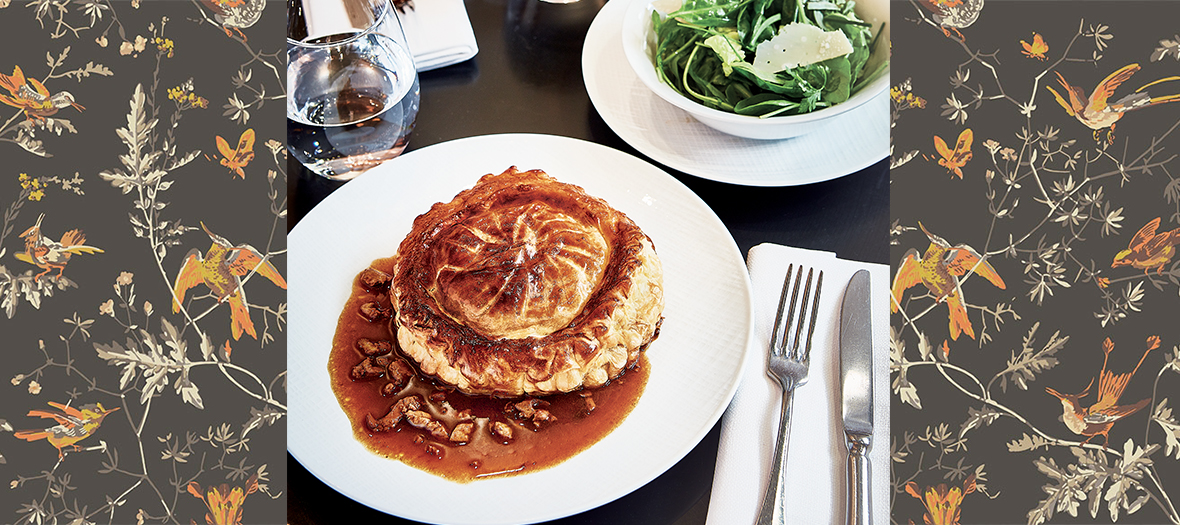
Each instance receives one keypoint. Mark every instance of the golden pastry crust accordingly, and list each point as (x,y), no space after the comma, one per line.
(525,285)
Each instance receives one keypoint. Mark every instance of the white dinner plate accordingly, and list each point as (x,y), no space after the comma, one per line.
(695,364)
(671,136)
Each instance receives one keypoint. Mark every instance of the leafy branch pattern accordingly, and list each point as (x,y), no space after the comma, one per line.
(1056,205)
(157,415)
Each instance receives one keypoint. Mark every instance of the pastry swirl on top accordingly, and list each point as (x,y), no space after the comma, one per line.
(525,285)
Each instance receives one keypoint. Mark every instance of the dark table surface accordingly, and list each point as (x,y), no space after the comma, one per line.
(527,79)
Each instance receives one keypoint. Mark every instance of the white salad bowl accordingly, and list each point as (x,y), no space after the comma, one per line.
(639,45)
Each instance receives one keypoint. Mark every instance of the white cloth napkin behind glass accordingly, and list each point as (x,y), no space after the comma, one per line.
(817,454)
(437,31)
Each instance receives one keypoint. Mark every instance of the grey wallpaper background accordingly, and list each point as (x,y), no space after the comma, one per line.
(160,414)
(1049,203)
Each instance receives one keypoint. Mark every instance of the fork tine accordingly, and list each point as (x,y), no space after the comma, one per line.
(814,312)
(791,311)
(778,319)
(802,309)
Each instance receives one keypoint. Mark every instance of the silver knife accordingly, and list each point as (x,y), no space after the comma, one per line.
(856,380)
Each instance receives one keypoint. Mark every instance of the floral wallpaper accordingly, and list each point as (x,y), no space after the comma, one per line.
(143,197)
(1035,195)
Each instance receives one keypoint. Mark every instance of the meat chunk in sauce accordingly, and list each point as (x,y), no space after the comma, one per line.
(524,409)
(543,417)
(462,432)
(399,373)
(371,368)
(374,312)
(375,280)
(501,430)
(399,409)
(370,348)
(530,409)
(389,389)
(418,418)
(438,430)
(409,403)
(422,419)
(590,404)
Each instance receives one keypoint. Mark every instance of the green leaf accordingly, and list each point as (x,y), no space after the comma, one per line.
(839,80)
(728,49)
(764,104)
(707,12)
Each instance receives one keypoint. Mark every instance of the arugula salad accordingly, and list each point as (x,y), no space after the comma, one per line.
(763,57)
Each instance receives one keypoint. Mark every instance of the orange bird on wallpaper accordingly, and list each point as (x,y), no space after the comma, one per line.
(942,503)
(1097,419)
(954,160)
(1149,249)
(236,159)
(1095,112)
(49,254)
(235,14)
(939,270)
(953,15)
(32,97)
(221,269)
(1037,48)
(73,425)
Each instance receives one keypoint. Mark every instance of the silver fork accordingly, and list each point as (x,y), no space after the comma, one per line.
(789,367)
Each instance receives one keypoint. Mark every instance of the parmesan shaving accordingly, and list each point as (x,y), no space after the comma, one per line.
(664,7)
(798,45)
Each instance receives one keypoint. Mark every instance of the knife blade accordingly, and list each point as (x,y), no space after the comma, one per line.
(856,381)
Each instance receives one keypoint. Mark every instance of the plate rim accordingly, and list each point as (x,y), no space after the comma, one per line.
(622,490)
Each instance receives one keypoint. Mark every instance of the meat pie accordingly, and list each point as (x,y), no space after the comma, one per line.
(525,285)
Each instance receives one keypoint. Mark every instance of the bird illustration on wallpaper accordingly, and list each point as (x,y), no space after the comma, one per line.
(49,254)
(953,15)
(221,269)
(1095,112)
(32,97)
(235,15)
(1149,249)
(73,425)
(939,270)
(941,503)
(1097,419)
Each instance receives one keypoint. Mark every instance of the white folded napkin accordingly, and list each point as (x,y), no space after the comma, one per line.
(816,454)
(439,33)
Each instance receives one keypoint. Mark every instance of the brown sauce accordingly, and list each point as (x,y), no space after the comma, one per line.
(577,426)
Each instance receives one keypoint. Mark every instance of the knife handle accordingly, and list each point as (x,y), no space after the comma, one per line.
(859,473)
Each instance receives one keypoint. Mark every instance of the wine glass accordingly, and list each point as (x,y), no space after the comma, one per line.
(352,90)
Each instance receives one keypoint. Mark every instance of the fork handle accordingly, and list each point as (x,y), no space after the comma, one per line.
(859,472)
(773,511)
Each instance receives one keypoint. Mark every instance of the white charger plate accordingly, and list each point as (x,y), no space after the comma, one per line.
(695,364)
(669,135)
